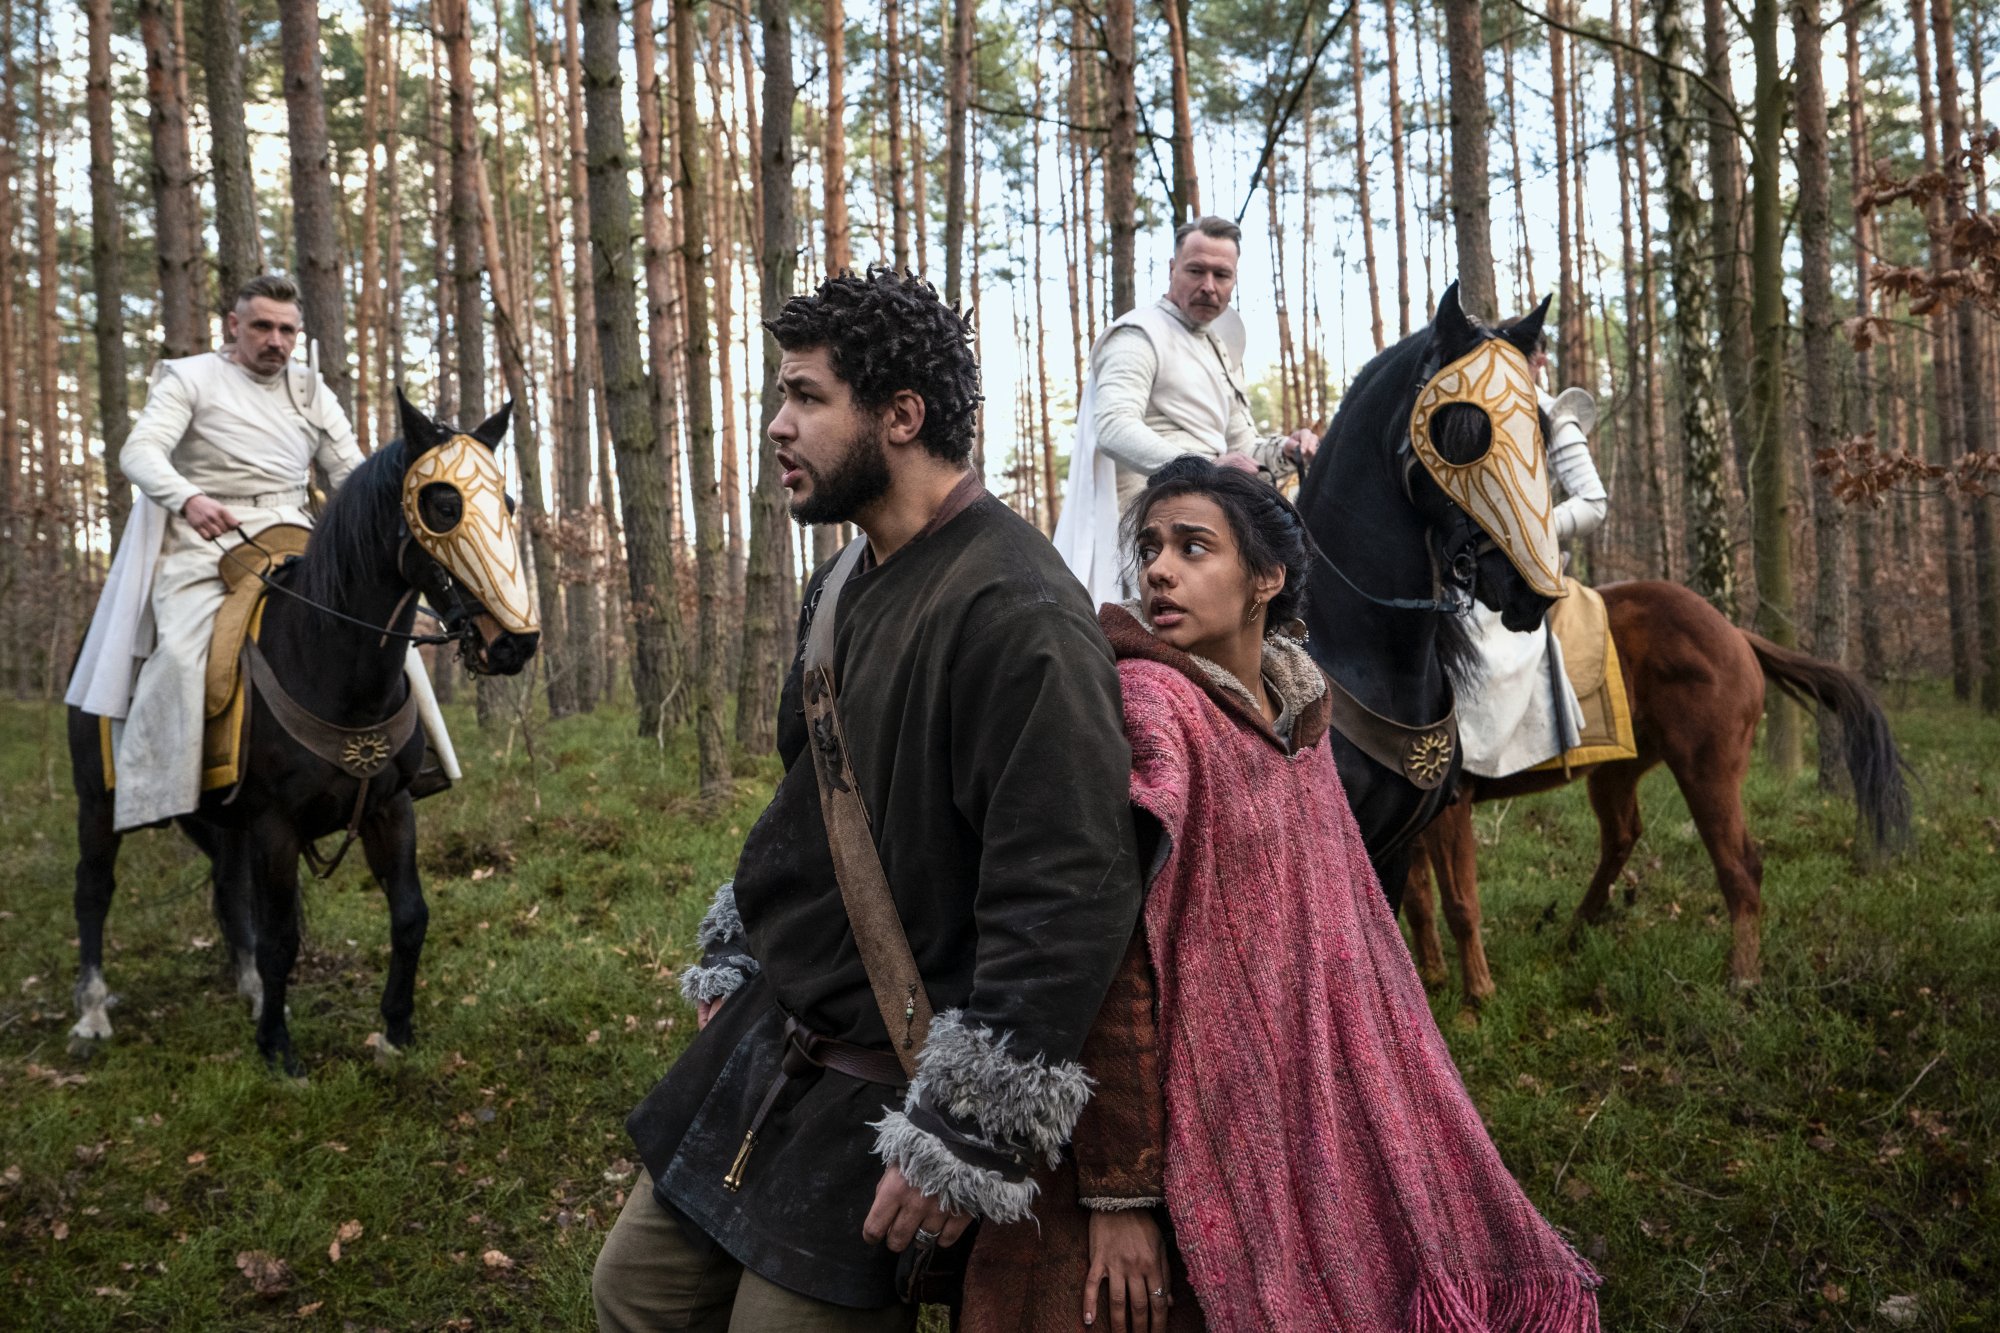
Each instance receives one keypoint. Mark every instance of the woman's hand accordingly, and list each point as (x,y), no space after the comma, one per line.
(704,1010)
(1128,1251)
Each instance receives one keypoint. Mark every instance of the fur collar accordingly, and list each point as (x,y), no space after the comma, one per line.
(1289,673)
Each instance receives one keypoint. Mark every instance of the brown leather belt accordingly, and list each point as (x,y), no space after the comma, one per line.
(806,1050)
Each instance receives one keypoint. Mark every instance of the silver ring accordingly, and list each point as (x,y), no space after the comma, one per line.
(1159,1293)
(924,1237)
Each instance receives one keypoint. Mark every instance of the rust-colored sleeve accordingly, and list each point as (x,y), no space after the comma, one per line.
(1120,1142)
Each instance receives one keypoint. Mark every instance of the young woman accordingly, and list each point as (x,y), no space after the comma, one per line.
(1278,1139)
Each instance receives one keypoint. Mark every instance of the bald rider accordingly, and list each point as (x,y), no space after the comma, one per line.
(1166,379)
(224,445)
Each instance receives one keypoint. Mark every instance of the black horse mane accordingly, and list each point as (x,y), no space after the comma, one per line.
(1384,391)
(364,518)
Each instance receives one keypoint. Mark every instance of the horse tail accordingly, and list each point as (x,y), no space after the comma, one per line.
(1874,764)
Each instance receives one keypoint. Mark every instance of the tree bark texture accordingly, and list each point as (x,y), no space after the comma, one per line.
(315,227)
(964,22)
(711,574)
(655,610)
(107,253)
(589,523)
(833,169)
(767,588)
(1186,183)
(1729,256)
(1867,519)
(1471,206)
(1771,499)
(1711,562)
(176,214)
(1121,204)
(239,249)
(1972,389)
(1820,404)
(1399,164)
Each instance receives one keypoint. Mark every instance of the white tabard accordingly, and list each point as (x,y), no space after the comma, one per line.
(1159,386)
(210,428)
(1523,711)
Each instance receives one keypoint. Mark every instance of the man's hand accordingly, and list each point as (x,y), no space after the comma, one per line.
(1241,462)
(704,1010)
(900,1208)
(1301,445)
(1128,1251)
(207,517)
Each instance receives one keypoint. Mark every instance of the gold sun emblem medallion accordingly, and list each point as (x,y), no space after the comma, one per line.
(1427,759)
(366,753)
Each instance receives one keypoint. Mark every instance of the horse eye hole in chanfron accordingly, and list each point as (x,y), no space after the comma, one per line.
(1461,433)
(441,506)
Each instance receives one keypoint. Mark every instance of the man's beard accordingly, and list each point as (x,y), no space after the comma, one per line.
(858,479)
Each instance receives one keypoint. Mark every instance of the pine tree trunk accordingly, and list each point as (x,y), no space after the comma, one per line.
(239,250)
(176,214)
(1820,404)
(767,588)
(1399,165)
(892,94)
(663,316)
(1945,379)
(314,225)
(1984,613)
(655,606)
(466,261)
(958,97)
(107,269)
(389,358)
(1187,186)
(367,334)
(833,171)
(1121,204)
(722,186)
(1567,296)
(1867,519)
(588,521)
(1358,76)
(1471,206)
(512,337)
(1771,499)
(1729,255)
(711,573)
(1711,563)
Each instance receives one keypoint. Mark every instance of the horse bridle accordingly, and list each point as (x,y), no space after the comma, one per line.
(456,618)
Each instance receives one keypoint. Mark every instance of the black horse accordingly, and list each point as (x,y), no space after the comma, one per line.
(336,646)
(1398,560)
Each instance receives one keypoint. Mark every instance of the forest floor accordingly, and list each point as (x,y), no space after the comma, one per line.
(1821,1153)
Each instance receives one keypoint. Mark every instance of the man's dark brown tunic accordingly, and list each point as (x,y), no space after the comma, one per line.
(980,704)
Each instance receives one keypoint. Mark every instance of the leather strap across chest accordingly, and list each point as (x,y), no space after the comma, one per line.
(359,752)
(1422,754)
(864,886)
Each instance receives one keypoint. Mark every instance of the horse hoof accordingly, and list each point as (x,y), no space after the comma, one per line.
(286,1063)
(83,1049)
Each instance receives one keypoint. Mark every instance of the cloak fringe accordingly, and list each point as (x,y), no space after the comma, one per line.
(1543,1304)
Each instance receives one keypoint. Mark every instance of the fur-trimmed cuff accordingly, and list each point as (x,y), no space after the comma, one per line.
(967,1073)
(711,981)
(956,1184)
(726,962)
(1120,1205)
(722,923)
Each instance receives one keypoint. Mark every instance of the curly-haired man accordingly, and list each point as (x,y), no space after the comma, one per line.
(981,715)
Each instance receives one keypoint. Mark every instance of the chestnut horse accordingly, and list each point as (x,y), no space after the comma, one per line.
(1695,684)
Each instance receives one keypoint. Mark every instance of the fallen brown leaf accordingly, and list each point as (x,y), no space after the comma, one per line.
(496,1259)
(268,1275)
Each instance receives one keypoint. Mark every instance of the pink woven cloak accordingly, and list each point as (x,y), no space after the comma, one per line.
(1325,1168)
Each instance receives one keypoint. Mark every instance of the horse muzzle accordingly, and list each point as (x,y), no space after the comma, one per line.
(493,651)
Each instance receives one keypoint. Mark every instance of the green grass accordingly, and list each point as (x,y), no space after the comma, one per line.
(1793,1160)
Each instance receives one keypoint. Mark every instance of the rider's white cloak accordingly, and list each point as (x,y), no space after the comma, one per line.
(210,428)
(1163,389)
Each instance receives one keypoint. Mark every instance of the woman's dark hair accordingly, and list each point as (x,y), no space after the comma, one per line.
(885,332)
(1267,527)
